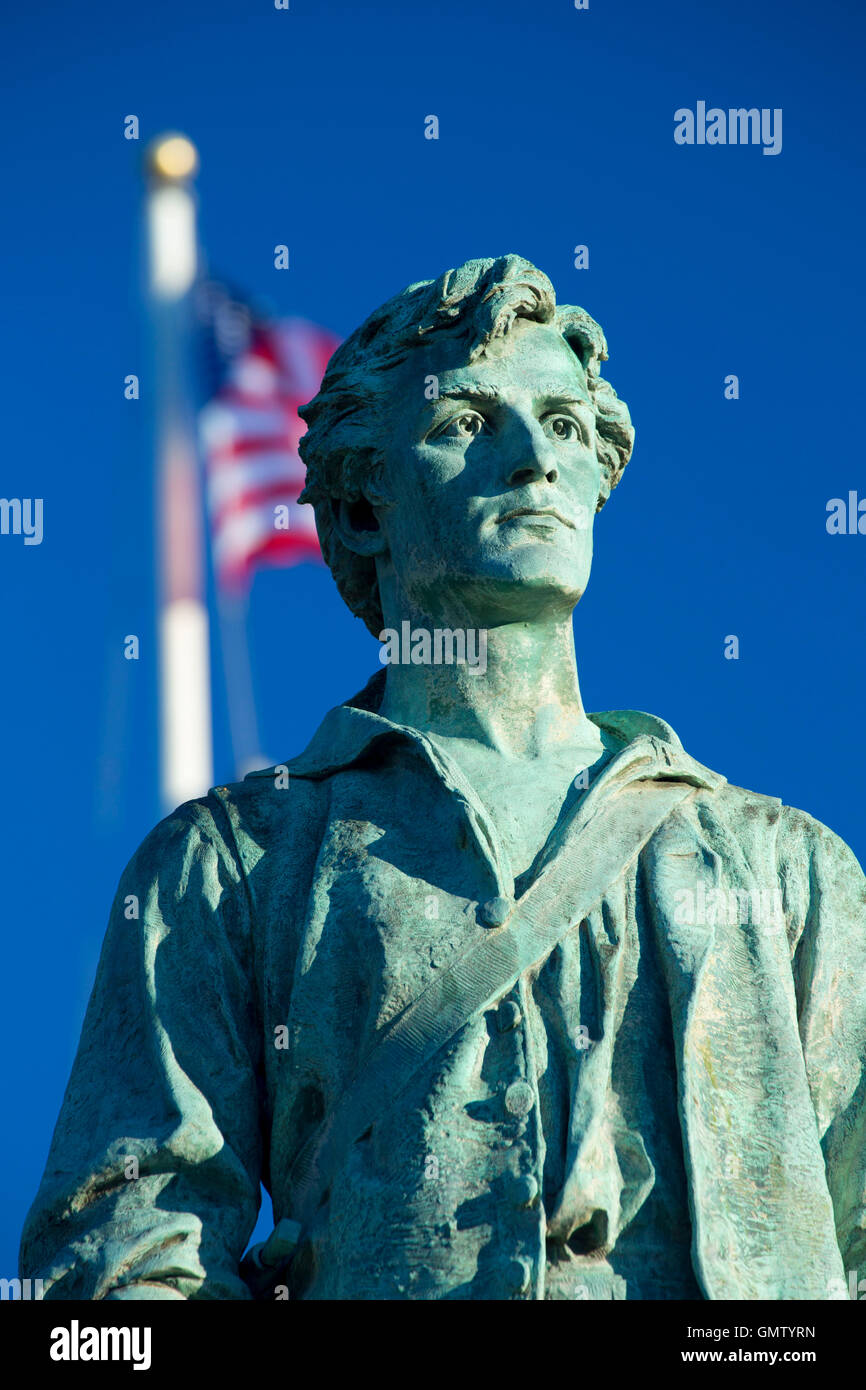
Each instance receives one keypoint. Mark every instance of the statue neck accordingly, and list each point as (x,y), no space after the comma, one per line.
(521,700)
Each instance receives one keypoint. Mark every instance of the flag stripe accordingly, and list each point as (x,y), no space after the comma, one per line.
(270,497)
(250,431)
(245,531)
(227,483)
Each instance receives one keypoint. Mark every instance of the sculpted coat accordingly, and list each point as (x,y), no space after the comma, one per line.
(499,999)
(707,1142)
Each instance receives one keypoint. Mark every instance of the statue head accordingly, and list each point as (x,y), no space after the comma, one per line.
(461,442)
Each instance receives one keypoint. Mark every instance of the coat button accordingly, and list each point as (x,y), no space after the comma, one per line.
(508,1015)
(519,1098)
(518,1274)
(524,1190)
(494,912)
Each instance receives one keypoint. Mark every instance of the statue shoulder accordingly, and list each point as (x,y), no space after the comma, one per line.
(805,838)
(802,838)
(272,808)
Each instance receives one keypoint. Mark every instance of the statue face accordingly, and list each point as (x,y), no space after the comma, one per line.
(494,484)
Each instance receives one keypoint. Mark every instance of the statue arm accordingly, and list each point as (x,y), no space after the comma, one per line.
(151,1189)
(824,883)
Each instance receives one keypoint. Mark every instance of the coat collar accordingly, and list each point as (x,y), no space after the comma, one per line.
(348,730)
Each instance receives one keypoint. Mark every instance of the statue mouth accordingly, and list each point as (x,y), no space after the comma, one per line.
(536,511)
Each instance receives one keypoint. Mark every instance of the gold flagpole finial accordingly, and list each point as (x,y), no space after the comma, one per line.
(172,158)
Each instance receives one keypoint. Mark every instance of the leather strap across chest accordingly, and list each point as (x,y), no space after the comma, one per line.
(591,856)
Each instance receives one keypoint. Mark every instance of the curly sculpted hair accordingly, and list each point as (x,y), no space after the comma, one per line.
(478,302)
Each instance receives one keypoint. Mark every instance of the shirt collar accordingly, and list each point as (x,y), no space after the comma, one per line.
(348,730)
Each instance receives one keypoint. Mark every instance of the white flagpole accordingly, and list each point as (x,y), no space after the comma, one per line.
(186,750)
(240,697)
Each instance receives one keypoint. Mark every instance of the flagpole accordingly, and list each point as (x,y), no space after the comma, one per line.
(233,614)
(185,738)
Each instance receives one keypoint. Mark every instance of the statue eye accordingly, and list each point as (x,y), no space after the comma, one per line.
(563,427)
(465,426)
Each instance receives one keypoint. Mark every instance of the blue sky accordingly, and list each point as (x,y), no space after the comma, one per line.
(556,129)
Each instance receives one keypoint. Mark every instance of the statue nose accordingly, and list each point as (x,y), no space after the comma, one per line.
(532,472)
(532,457)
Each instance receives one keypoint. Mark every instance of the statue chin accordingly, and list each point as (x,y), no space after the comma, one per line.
(522,586)
(488,601)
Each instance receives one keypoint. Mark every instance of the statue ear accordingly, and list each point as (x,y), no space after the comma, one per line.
(358,523)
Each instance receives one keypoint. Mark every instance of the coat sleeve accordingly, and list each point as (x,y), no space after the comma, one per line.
(151,1188)
(824,891)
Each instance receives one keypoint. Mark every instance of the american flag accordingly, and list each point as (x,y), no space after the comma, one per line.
(249,431)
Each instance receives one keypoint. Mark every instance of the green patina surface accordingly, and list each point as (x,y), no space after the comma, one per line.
(447,981)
